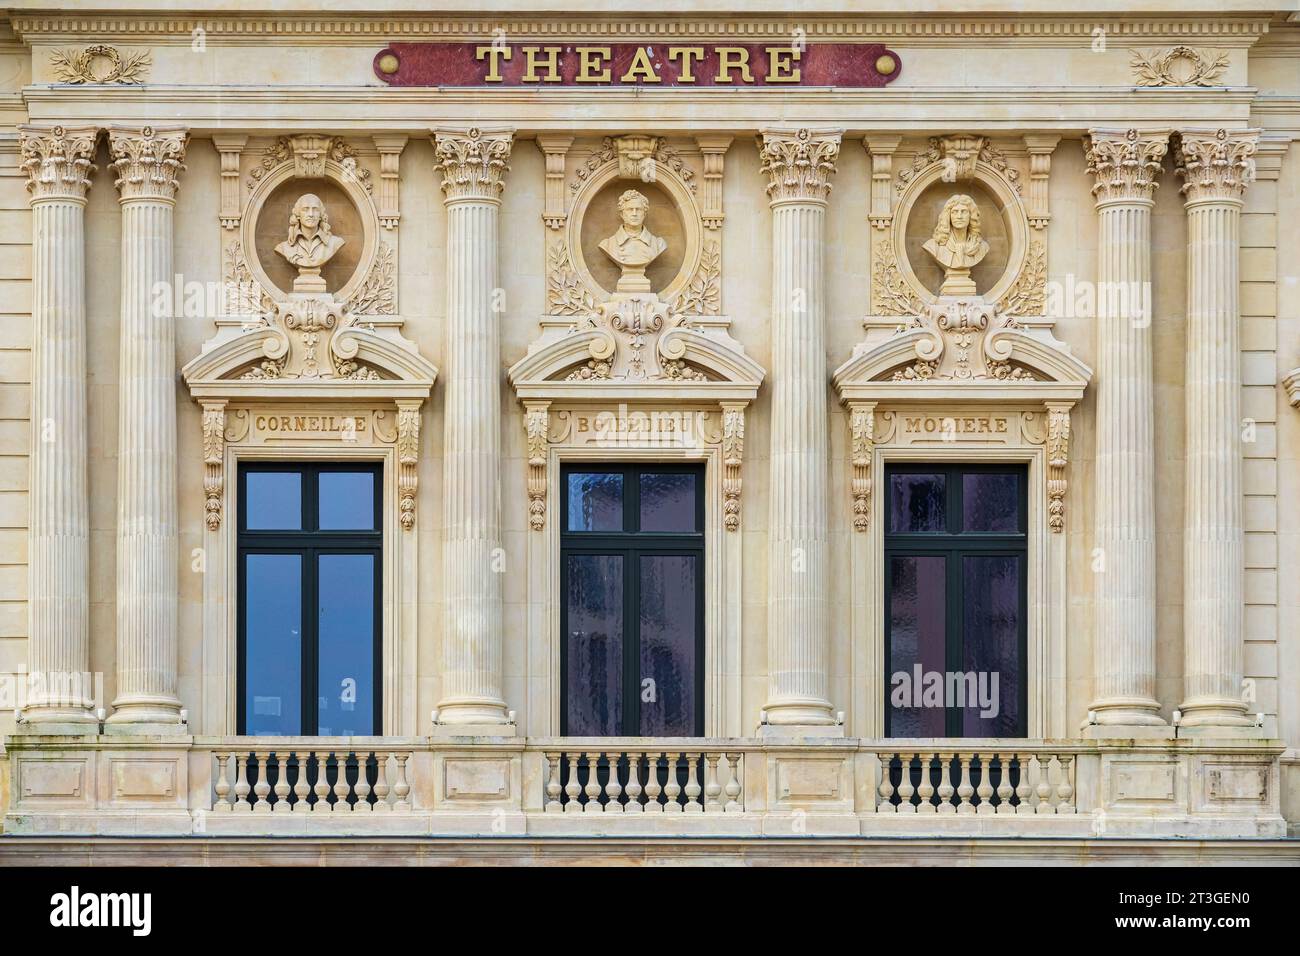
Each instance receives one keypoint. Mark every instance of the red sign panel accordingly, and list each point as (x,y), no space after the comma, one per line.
(760,65)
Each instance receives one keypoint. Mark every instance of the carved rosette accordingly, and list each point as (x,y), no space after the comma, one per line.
(214,445)
(537,424)
(733,455)
(408,460)
(1126,164)
(862,429)
(57,160)
(1058,457)
(473,163)
(148,161)
(799,163)
(1216,166)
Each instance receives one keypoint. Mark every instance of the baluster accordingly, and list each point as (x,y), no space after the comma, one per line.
(964,788)
(263,789)
(553,789)
(945,784)
(985,790)
(1022,785)
(652,784)
(402,789)
(633,788)
(300,788)
(926,790)
(905,788)
(712,788)
(222,785)
(672,789)
(886,788)
(592,789)
(612,789)
(381,783)
(1004,785)
(281,783)
(733,789)
(341,787)
(1065,789)
(322,788)
(1045,784)
(693,789)
(571,789)
(241,783)
(362,788)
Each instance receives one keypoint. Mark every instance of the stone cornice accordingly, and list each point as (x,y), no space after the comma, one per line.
(1126,163)
(57,160)
(799,162)
(1216,165)
(473,162)
(147,160)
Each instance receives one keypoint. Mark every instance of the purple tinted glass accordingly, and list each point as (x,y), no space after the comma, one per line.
(594,656)
(991,503)
(668,641)
(991,639)
(668,502)
(595,501)
(916,503)
(917,603)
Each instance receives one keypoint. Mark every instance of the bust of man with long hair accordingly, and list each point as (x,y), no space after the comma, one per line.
(957,244)
(311,244)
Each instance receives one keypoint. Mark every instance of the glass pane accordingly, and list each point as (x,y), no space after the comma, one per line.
(917,605)
(668,642)
(346,623)
(668,502)
(917,503)
(274,501)
(273,644)
(347,501)
(991,503)
(595,502)
(991,654)
(595,645)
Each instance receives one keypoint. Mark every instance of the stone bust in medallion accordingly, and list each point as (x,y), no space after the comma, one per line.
(633,246)
(310,244)
(957,244)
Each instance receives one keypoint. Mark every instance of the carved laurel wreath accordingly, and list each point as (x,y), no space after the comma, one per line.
(73,67)
(1156,68)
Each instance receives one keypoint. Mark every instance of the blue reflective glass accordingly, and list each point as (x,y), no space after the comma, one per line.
(346,645)
(274,501)
(595,501)
(273,644)
(347,501)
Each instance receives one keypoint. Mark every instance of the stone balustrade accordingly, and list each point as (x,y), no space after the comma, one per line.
(981,777)
(308,775)
(666,776)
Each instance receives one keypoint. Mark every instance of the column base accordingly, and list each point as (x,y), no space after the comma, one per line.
(472,711)
(146,716)
(788,731)
(1127,732)
(58,728)
(444,730)
(1210,715)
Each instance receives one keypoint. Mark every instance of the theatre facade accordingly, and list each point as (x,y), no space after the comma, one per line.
(781,436)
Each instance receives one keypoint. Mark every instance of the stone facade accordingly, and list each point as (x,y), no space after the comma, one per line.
(1017,239)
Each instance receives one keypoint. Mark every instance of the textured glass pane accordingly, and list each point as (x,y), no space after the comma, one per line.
(595,502)
(991,631)
(347,501)
(917,595)
(274,501)
(595,644)
(917,503)
(668,641)
(273,644)
(346,662)
(991,503)
(668,502)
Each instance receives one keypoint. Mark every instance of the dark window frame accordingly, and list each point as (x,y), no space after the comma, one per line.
(310,543)
(631,544)
(953,544)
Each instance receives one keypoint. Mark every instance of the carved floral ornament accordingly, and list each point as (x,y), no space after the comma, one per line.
(1178,66)
(1216,165)
(57,160)
(101,64)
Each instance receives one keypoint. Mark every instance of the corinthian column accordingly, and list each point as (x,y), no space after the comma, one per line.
(1216,167)
(798,164)
(57,162)
(472,163)
(147,162)
(1126,164)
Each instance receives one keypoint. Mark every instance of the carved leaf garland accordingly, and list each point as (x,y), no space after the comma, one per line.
(376,295)
(1027,296)
(565,292)
(703,294)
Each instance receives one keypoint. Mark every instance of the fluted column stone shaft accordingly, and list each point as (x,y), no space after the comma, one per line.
(1126,165)
(1216,167)
(473,163)
(798,164)
(148,162)
(57,161)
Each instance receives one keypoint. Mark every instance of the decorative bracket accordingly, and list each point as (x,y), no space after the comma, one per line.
(881,150)
(733,455)
(555,149)
(1040,149)
(390,152)
(214,447)
(862,431)
(636,156)
(408,459)
(537,423)
(231,150)
(713,150)
(1058,457)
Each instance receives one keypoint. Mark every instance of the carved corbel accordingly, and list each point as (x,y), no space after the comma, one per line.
(556,150)
(862,431)
(960,153)
(408,460)
(214,447)
(310,151)
(1040,149)
(636,156)
(881,150)
(713,150)
(537,423)
(231,149)
(1058,456)
(390,152)
(733,455)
